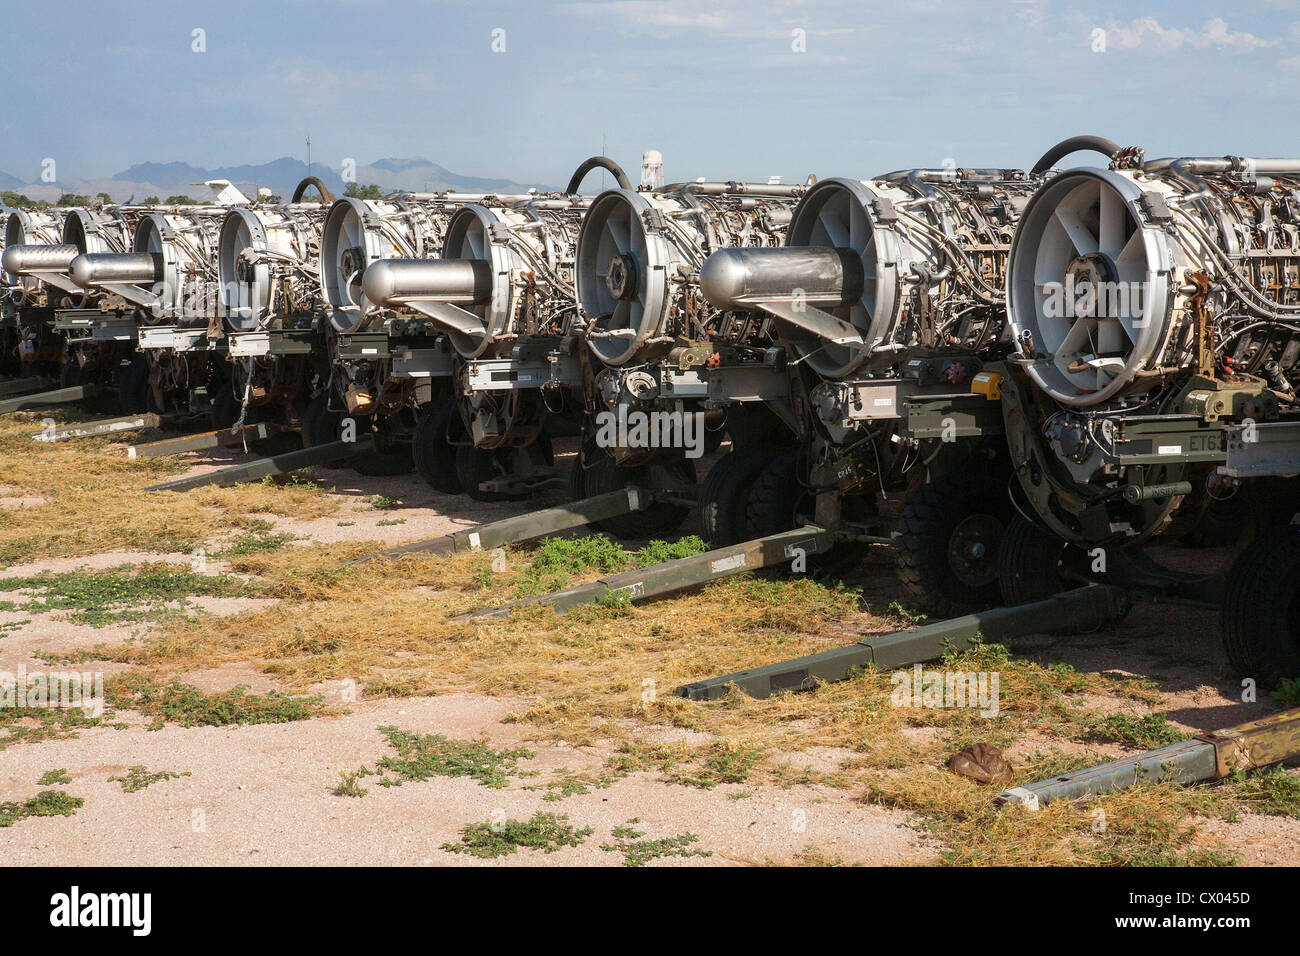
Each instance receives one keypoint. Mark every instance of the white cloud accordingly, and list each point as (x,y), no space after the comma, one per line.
(1147,32)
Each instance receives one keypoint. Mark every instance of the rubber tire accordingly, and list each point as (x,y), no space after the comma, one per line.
(1222,524)
(1029,563)
(660,519)
(1260,619)
(320,425)
(925,532)
(133,387)
(477,465)
(754,424)
(431,449)
(724,496)
(770,505)
(223,408)
(383,462)
(70,374)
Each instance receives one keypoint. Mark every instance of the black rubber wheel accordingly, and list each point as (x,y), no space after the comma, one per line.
(1032,564)
(948,543)
(658,520)
(222,406)
(320,425)
(1223,522)
(1029,563)
(477,465)
(1260,620)
(388,458)
(725,493)
(70,373)
(770,505)
(431,449)
(133,386)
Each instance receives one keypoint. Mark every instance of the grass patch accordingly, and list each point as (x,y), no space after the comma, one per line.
(1274,791)
(659,552)
(74,479)
(121,594)
(558,560)
(139,777)
(1146,733)
(349,784)
(52,778)
(568,783)
(723,763)
(381,502)
(547,832)
(47,803)
(905,613)
(639,852)
(1289,692)
(187,706)
(424,756)
(32,725)
(258,542)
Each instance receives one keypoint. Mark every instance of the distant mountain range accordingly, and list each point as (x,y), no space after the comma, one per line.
(280,176)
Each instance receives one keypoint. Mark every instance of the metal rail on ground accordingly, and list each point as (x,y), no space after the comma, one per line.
(681,574)
(275,465)
(1087,608)
(1210,756)
(56,397)
(525,527)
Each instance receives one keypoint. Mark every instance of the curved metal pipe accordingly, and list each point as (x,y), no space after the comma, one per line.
(325,194)
(1075,143)
(597,162)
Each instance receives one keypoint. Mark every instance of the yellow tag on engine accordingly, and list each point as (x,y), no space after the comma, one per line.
(988,384)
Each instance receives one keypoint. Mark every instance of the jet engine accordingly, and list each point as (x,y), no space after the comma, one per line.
(1129,280)
(268,264)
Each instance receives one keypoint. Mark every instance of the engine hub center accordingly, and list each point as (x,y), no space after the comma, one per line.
(620,277)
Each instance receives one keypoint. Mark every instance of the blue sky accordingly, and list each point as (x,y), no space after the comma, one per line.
(717,87)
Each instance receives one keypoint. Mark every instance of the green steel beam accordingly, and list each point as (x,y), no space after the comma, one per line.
(681,574)
(1210,756)
(1086,608)
(196,442)
(23,386)
(525,527)
(23,402)
(275,465)
(105,426)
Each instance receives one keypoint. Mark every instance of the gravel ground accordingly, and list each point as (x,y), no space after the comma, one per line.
(263,794)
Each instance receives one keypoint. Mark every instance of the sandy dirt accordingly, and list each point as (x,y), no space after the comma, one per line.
(263,794)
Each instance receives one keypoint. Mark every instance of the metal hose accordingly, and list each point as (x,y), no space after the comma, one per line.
(1075,143)
(597,162)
